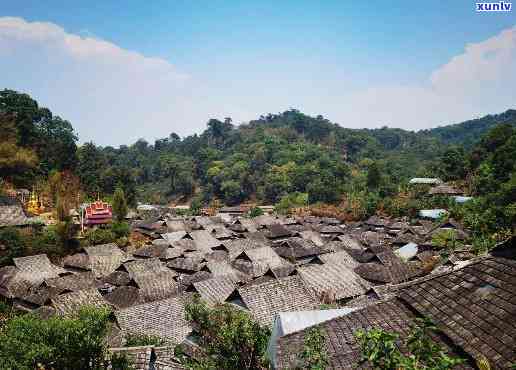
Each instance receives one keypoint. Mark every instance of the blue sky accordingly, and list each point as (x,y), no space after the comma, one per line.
(361,64)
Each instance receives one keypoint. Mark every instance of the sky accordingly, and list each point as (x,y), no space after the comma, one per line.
(123,70)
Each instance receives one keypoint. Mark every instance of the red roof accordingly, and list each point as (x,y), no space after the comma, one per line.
(98,212)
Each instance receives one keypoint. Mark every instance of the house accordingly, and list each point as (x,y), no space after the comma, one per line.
(12,214)
(473,307)
(164,318)
(97,213)
(266,300)
(425,181)
(444,189)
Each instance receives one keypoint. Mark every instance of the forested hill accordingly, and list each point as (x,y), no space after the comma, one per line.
(468,133)
(263,161)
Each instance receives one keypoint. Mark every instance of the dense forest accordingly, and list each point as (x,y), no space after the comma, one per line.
(285,158)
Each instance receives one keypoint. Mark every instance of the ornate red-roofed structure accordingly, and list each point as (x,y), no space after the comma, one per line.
(98,213)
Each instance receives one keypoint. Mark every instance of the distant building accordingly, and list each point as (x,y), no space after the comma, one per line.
(444,189)
(432,213)
(425,181)
(98,213)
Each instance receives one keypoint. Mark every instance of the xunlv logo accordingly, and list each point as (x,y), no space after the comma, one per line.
(501,6)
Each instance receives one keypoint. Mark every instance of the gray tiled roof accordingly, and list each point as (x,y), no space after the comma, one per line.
(335,278)
(165,318)
(70,303)
(265,300)
(475,306)
(215,290)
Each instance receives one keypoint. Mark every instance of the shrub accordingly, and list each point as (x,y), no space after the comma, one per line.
(120,361)
(120,229)
(77,342)
(100,236)
(12,241)
(255,212)
(230,339)
(314,355)
(380,349)
(137,340)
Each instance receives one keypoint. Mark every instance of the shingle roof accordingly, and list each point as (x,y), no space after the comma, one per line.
(475,306)
(191,264)
(157,285)
(265,300)
(215,290)
(37,268)
(70,303)
(123,297)
(276,231)
(13,283)
(145,267)
(12,215)
(204,240)
(237,246)
(105,258)
(165,318)
(257,261)
(342,257)
(297,248)
(342,347)
(223,268)
(334,278)
(174,236)
(73,282)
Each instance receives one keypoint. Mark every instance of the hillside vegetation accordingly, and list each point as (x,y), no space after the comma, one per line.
(285,159)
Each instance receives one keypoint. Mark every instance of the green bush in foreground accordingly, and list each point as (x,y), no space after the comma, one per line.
(380,349)
(78,342)
(230,339)
(137,340)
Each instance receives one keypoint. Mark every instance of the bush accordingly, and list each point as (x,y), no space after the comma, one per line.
(380,349)
(120,361)
(255,212)
(100,236)
(138,340)
(12,241)
(230,339)
(314,355)
(120,229)
(78,342)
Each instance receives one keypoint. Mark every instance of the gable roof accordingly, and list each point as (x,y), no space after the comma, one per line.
(70,303)
(215,290)
(165,318)
(334,278)
(123,297)
(474,306)
(105,258)
(37,268)
(257,261)
(13,215)
(204,240)
(343,349)
(297,248)
(266,300)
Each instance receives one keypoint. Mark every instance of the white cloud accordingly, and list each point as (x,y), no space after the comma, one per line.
(480,81)
(114,96)
(110,94)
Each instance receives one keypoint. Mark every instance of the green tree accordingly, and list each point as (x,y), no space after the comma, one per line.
(69,343)
(13,244)
(229,337)
(119,205)
(374,176)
